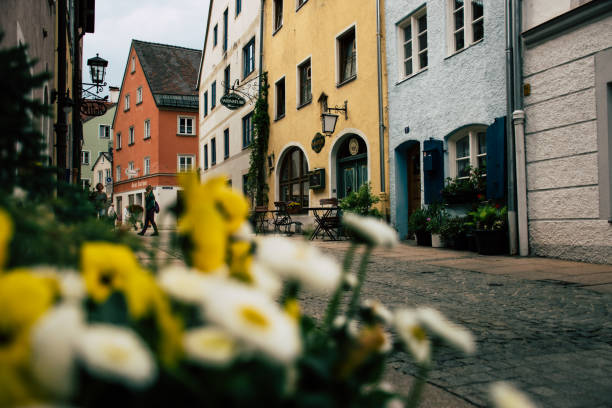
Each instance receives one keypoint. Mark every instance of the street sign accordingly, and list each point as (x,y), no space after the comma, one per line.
(131,172)
(109,180)
(232,101)
(93,108)
(318,141)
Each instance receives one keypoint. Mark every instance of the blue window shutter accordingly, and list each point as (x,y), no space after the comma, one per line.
(433,170)
(496,159)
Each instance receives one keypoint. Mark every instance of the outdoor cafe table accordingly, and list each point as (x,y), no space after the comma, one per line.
(322,215)
(259,215)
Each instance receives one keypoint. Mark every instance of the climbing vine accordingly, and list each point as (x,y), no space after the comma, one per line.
(257,187)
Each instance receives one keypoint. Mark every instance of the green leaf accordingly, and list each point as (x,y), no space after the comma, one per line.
(113,311)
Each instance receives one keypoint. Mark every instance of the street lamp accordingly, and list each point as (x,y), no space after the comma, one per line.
(97,70)
(329,120)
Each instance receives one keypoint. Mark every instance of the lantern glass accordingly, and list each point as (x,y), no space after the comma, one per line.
(329,122)
(97,69)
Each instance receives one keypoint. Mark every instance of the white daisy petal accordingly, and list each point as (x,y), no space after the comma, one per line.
(245,232)
(116,354)
(371,230)
(504,395)
(209,346)
(184,284)
(413,335)
(53,349)
(266,281)
(452,333)
(70,282)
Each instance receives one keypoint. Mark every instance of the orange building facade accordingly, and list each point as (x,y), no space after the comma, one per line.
(155,125)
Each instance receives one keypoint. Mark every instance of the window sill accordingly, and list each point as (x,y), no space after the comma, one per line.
(213,164)
(138,103)
(304,104)
(117,149)
(464,48)
(186,134)
(125,110)
(411,76)
(346,81)
(300,6)
(276,119)
(146,138)
(276,30)
(130,144)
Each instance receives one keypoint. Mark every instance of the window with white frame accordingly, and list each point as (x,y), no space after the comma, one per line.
(305,81)
(213,95)
(185,162)
(131,170)
(238,6)
(147,129)
(131,141)
(118,174)
(468,149)
(107,174)
(126,105)
(278,14)
(248,58)
(465,23)
(147,166)
(139,95)
(185,125)
(280,98)
(213,151)
(84,157)
(133,65)
(100,177)
(227,80)
(413,40)
(104,131)
(118,142)
(347,58)
(215,34)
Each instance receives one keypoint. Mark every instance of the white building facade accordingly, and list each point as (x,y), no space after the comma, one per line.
(229,58)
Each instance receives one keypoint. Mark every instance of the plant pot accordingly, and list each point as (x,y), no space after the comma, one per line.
(423,238)
(436,241)
(470,239)
(294,209)
(491,242)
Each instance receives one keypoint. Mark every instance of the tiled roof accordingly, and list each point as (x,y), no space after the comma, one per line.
(170,70)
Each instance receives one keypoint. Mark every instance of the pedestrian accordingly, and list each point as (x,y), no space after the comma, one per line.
(111,214)
(149,211)
(100,200)
(126,218)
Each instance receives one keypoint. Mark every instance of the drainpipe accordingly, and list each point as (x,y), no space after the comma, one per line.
(512,225)
(518,118)
(381,124)
(261,29)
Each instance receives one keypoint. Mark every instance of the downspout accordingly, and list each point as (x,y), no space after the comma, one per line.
(518,118)
(61,127)
(381,124)
(512,225)
(261,29)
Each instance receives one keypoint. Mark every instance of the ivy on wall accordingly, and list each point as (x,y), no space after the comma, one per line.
(257,187)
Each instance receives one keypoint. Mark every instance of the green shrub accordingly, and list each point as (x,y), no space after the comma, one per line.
(361,202)
(490,217)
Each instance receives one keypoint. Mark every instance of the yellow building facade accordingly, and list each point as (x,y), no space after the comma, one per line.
(319,54)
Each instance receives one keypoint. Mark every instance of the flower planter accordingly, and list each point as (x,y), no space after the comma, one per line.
(491,242)
(436,241)
(423,238)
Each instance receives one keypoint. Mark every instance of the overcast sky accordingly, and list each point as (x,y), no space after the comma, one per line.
(178,22)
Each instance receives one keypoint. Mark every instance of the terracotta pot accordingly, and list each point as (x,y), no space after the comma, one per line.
(491,242)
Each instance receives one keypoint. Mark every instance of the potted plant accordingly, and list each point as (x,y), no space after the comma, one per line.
(361,202)
(454,233)
(293,207)
(417,225)
(461,194)
(490,228)
(437,218)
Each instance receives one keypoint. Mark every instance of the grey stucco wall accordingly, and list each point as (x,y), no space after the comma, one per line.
(563,187)
(468,87)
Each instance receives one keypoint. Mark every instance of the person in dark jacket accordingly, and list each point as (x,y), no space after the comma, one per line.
(149,211)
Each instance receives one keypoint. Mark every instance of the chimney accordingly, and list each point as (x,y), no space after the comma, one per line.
(113,94)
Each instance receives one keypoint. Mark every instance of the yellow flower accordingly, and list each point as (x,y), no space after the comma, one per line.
(292,308)
(171,329)
(13,388)
(6,232)
(241,260)
(209,240)
(233,206)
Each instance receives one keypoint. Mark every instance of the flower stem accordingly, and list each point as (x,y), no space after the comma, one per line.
(334,302)
(361,275)
(414,397)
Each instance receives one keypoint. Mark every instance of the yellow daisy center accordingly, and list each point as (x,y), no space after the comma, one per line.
(418,333)
(217,343)
(117,354)
(254,317)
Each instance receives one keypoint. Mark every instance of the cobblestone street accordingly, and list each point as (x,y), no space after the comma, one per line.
(543,324)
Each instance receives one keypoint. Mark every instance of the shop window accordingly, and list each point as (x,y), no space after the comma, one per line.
(294,177)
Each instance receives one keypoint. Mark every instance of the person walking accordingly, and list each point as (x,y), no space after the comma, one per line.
(149,211)
(112,215)
(100,199)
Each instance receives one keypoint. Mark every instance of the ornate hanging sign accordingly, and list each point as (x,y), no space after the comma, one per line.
(318,141)
(93,108)
(232,101)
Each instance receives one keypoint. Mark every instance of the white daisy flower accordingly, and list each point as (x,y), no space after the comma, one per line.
(116,354)
(209,346)
(299,261)
(371,230)
(253,317)
(350,280)
(395,403)
(504,395)
(70,282)
(379,310)
(452,333)
(245,232)
(53,349)
(266,281)
(339,322)
(185,284)
(413,335)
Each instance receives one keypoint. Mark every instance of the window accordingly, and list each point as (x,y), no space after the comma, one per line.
(185,125)
(104,131)
(413,34)
(226,80)
(225,30)
(100,177)
(294,177)
(278,14)
(205,97)
(213,95)
(248,58)
(348,56)
(238,6)
(139,95)
(147,129)
(126,105)
(84,157)
(185,163)
(131,142)
(304,73)
(118,142)
(468,149)
(130,170)
(133,66)
(107,174)
(280,98)
(205,157)
(215,32)
(466,23)
(226,147)
(247,130)
(147,166)
(213,151)
(118,173)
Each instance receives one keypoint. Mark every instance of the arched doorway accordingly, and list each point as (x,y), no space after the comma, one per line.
(352,165)
(408,183)
(293,177)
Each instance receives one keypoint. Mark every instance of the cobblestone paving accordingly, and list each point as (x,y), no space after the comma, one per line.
(553,340)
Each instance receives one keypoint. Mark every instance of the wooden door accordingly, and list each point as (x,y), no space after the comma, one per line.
(414,178)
